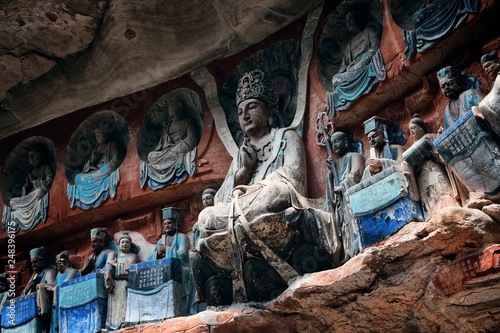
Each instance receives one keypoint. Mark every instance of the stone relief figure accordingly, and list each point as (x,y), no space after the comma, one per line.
(174,244)
(65,272)
(31,207)
(172,159)
(101,246)
(207,199)
(42,280)
(237,258)
(488,109)
(433,20)
(383,154)
(362,65)
(100,175)
(95,152)
(344,172)
(457,87)
(433,181)
(116,279)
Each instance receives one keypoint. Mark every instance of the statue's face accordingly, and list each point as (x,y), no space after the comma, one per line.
(96,244)
(253,115)
(175,110)
(492,67)
(376,139)
(37,264)
(339,144)
(450,88)
(62,264)
(352,23)
(35,158)
(416,131)
(125,245)
(207,199)
(100,136)
(169,227)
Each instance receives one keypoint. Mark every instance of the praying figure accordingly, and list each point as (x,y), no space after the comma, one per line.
(172,160)
(27,210)
(362,65)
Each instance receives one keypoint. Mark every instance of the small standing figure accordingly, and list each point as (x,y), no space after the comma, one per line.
(65,272)
(116,279)
(31,207)
(100,241)
(434,185)
(174,244)
(41,281)
(489,108)
(456,86)
(173,158)
(345,172)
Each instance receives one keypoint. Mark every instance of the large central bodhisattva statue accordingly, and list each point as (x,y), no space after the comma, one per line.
(251,235)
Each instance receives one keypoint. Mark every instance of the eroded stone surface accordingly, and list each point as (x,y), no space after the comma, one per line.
(388,288)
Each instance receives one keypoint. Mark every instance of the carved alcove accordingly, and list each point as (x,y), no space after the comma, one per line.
(18,183)
(168,154)
(83,146)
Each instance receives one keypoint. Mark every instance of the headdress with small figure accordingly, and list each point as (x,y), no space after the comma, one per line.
(254,84)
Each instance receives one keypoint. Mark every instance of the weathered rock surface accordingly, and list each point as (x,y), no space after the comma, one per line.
(137,44)
(439,276)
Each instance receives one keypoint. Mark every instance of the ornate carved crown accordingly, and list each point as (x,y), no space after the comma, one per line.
(254,84)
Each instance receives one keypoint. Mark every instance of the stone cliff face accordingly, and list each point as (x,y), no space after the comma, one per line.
(436,276)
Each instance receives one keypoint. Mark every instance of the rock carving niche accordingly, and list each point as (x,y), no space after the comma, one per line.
(25,182)
(95,152)
(168,137)
(425,22)
(281,61)
(350,62)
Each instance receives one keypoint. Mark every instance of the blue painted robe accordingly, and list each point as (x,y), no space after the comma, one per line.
(92,187)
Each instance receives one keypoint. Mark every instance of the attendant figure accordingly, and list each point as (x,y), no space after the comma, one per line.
(456,87)
(173,158)
(100,243)
(116,279)
(433,180)
(345,172)
(237,259)
(488,110)
(43,276)
(174,244)
(362,65)
(100,175)
(207,199)
(31,207)
(65,272)
(384,155)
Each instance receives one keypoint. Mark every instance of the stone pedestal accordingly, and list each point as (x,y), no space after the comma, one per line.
(83,304)
(472,153)
(381,205)
(19,315)
(155,291)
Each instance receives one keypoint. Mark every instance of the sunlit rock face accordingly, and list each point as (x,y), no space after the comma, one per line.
(53,54)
